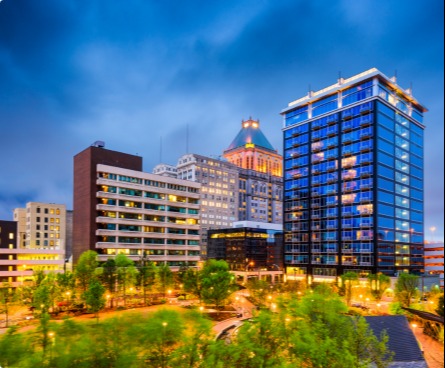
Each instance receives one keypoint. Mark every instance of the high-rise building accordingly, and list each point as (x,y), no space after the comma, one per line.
(354,179)
(260,183)
(219,181)
(85,191)
(135,213)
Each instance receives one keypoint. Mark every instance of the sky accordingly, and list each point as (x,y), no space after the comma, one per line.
(135,72)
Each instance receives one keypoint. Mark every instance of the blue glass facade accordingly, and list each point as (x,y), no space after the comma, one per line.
(354,183)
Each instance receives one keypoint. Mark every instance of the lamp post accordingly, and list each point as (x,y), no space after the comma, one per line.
(432,229)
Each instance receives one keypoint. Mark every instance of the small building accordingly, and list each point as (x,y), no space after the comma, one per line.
(402,342)
(434,256)
(252,249)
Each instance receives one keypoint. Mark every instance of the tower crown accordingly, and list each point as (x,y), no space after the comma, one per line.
(250,136)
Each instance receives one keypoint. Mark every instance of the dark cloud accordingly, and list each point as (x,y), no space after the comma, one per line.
(129,73)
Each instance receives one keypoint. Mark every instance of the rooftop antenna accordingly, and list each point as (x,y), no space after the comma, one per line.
(187,140)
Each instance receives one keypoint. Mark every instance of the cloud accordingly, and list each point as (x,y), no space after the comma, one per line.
(131,72)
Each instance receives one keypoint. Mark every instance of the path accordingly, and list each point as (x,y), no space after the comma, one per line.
(433,350)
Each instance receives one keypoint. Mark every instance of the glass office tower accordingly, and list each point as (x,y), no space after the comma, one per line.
(353,157)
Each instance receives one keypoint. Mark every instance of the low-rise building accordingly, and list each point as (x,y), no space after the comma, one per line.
(35,242)
(252,249)
(434,256)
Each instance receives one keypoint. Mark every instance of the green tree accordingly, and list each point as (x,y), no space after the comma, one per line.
(349,280)
(191,281)
(259,290)
(146,278)
(126,273)
(94,298)
(85,270)
(368,350)
(378,284)
(13,347)
(440,307)
(109,278)
(406,288)
(6,298)
(164,277)
(216,282)
(161,335)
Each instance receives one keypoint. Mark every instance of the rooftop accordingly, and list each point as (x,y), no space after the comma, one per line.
(342,84)
(401,338)
(251,136)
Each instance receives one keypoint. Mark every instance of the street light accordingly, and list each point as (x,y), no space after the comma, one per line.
(433,229)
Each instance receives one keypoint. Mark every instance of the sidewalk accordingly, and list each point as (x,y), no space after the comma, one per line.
(433,350)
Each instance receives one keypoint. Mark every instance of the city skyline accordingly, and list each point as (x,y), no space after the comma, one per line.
(71,76)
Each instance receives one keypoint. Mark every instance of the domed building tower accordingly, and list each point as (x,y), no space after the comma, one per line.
(260,178)
(251,150)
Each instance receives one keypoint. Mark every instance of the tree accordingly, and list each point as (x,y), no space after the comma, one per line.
(94,298)
(367,350)
(6,297)
(146,277)
(258,289)
(216,282)
(349,280)
(191,282)
(109,277)
(164,278)
(86,268)
(13,348)
(440,307)
(160,335)
(126,273)
(378,283)
(406,288)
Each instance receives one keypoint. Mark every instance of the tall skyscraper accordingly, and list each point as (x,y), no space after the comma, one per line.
(260,175)
(354,179)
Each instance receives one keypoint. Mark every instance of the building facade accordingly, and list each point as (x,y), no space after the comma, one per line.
(248,246)
(9,266)
(434,256)
(219,181)
(85,192)
(141,215)
(38,243)
(260,176)
(166,170)
(354,179)
(41,238)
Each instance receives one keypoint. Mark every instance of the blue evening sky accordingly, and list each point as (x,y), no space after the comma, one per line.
(130,72)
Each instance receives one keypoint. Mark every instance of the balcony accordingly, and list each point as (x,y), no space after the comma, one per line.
(365,108)
(332,132)
(365,264)
(347,115)
(365,135)
(365,147)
